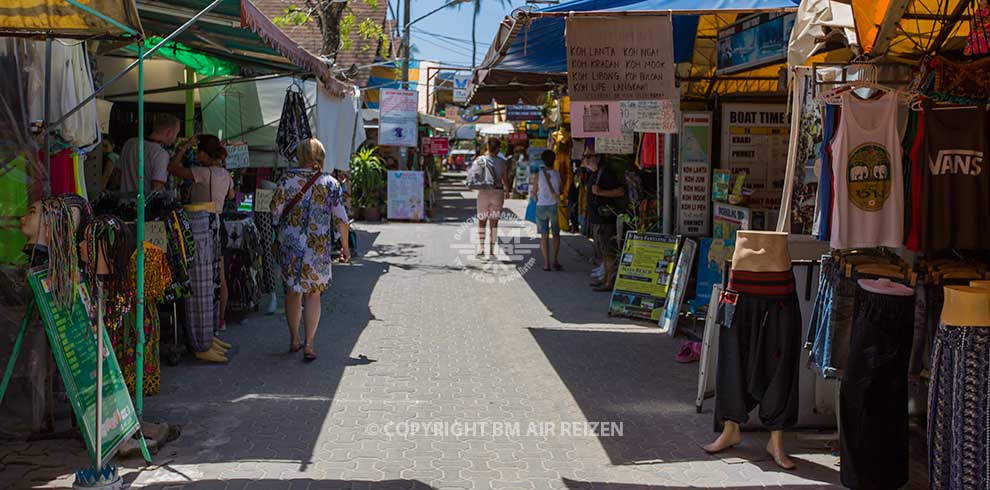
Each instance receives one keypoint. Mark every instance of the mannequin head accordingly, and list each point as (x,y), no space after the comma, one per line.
(69,211)
(761,251)
(52,224)
(106,251)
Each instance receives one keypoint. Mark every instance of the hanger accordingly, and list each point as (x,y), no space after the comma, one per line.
(295,86)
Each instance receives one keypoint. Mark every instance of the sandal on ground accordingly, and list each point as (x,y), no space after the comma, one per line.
(558,267)
(309,356)
(547,269)
(295,348)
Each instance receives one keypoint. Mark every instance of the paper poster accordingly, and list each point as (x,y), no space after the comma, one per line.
(405,195)
(650,116)
(623,145)
(753,41)
(678,287)
(577,148)
(627,58)
(398,117)
(694,182)
(596,119)
(72,337)
(727,219)
(755,141)
(646,267)
(713,253)
(237,154)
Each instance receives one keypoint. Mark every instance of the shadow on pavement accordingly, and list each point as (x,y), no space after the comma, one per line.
(293,484)
(588,485)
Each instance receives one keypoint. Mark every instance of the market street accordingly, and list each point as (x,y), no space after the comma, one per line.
(429,377)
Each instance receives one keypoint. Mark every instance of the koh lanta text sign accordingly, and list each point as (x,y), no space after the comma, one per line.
(627,58)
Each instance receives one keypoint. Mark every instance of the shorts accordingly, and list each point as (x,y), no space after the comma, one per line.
(546,220)
(606,239)
(490,203)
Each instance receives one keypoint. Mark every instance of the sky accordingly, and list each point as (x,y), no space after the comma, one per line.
(454,25)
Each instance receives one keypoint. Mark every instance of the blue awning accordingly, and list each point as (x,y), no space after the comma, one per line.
(529,51)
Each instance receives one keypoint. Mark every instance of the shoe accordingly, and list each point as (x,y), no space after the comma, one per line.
(690,352)
(272,305)
(309,356)
(596,284)
(219,348)
(217,341)
(604,288)
(212,356)
(222,327)
(558,267)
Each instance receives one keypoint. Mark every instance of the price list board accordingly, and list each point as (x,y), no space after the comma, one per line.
(73,341)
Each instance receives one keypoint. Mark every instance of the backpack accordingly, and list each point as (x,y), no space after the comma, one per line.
(482,174)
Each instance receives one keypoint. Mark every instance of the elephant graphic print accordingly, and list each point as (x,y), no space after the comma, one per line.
(868,208)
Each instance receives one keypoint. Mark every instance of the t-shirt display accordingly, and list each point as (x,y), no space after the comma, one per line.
(956,212)
(868,200)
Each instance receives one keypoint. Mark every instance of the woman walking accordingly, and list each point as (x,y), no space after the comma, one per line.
(304,206)
(546,192)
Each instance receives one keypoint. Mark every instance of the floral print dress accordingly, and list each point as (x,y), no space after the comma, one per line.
(304,236)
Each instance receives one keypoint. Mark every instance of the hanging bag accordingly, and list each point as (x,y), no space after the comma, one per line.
(481,175)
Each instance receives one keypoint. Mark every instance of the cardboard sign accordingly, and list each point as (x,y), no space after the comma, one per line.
(623,145)
(627,58)
(74,347)
(397,117)
(237,154)
(156,234)
(650,116)
(263,200)
(646,267)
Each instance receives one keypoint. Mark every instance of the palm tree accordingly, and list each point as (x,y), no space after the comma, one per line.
(474,26)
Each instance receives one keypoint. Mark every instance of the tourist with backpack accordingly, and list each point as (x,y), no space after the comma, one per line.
(490,177)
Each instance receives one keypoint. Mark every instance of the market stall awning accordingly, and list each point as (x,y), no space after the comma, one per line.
(236,32)
(902,29)
(529,56)
(440,123)
(80,19)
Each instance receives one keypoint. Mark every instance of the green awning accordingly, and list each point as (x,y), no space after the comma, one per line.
(202,64)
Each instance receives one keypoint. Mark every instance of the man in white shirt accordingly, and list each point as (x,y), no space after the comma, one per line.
(164,131)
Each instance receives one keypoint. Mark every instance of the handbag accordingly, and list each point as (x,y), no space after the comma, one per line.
(531,210)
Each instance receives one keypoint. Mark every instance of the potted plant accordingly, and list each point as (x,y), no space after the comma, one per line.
(368,183)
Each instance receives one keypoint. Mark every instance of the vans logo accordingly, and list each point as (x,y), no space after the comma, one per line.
(957,162)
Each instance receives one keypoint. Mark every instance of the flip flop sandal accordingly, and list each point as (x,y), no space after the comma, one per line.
(309,357)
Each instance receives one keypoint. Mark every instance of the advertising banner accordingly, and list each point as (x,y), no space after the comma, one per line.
(694,203)
(646,266)
(755,41)
(73,340)
(461,82)
(727,219)
(755,139)
(523,113)
(650,116)
(405,195)
(622,58)
(435,146)
(397,117)
(678,286)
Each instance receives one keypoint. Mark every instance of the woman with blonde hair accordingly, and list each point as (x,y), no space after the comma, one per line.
(303,208)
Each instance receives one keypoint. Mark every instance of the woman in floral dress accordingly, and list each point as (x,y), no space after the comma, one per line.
(303,207)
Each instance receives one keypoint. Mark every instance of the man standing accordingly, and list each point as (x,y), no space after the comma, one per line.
(605,189)
(164,130)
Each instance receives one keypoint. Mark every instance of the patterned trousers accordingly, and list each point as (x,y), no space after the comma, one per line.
(266,238)
(959,409)
(201,308)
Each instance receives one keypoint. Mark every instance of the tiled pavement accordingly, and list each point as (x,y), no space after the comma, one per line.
(457,356)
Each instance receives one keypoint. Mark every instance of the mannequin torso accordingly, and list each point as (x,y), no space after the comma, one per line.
(761,251)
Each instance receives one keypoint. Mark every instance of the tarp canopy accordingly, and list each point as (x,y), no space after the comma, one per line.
(237,33)
(80,19)
(901,29)
(529,56)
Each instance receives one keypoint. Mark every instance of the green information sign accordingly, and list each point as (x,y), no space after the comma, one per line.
(645,269)
(73,342)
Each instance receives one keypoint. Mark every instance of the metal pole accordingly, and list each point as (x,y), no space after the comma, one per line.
(656,148)
(190,104)
(47,187)
(98,465)
(139,273)
(405,44)
(134,65)
(668,186)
